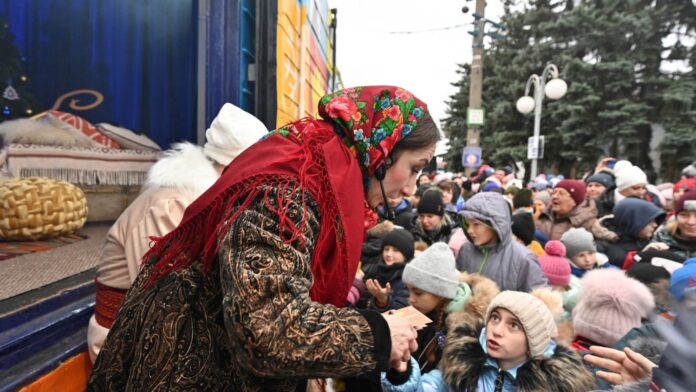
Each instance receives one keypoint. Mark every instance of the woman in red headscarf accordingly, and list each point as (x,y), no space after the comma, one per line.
(247,293)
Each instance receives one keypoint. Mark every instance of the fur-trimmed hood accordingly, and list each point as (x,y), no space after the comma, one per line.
(184,167)
(463,363)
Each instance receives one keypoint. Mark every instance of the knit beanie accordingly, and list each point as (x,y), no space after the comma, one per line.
(686,202)
(523,227)
(685,183)
(578,240)
(431,203)
(433,271)
(602,178)
(609,305)
(684,279)
(536,318)
(523,198)
(421,189)
(232,131)
(492,186)
(554,264)
(401,240)
(544,196)
(576,188)
(630,176)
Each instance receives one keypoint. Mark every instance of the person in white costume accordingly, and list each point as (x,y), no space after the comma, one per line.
(174,182)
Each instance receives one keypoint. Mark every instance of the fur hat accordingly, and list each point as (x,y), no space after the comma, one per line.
(686,202)
(401,240)
(554,264)
(577,240)
(609,305)
(684,279)
(603,178)
(536,318)
(232,131)
(576,188)
(434,271)
(630,176)
(523,198)
(431,203)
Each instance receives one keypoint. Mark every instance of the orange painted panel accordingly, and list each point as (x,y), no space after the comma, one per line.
(70,376)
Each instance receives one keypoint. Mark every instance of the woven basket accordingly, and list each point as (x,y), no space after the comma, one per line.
(39,207)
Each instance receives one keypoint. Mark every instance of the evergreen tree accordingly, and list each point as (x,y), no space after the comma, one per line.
(15,100)
(612,54)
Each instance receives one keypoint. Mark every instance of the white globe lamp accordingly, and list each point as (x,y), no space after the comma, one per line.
(555,88)
(525,105)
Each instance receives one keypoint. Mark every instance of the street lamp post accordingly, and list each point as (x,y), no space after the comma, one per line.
(554,89)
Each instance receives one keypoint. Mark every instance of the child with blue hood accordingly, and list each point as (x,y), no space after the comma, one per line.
(633,224)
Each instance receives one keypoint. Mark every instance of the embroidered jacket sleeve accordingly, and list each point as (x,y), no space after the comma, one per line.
(275,329)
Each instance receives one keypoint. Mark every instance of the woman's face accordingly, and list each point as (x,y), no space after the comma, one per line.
(423,301)
(430,221)
(561,202)
(400,179)
(506,340)
(686,223)
(595,189)
(446,196)
(635,191)
(391,255)
(424,179)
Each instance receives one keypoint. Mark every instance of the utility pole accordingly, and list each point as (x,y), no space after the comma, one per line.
(476,77)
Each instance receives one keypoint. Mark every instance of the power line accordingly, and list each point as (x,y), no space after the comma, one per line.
(422,31)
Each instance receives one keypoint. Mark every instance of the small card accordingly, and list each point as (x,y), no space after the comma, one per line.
(413,315)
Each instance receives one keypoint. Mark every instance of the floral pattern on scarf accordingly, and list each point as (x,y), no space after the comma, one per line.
(371,120)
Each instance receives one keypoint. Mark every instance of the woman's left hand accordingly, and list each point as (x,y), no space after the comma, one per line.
(380,293)
(622,366)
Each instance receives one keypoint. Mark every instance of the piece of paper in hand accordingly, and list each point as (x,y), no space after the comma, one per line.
(412,314)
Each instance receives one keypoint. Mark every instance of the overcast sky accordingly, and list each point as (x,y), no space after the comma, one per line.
(424,62)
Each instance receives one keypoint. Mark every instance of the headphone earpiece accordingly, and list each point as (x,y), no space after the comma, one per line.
(381,171)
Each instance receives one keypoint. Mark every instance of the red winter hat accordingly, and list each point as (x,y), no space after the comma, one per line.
(686,202)
(554,264)
(684,183)
(576,188)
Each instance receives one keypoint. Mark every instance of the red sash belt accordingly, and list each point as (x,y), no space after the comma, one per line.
(109,302)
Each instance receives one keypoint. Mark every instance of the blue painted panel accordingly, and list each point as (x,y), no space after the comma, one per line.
(231,48)
(141,55)
(247,44)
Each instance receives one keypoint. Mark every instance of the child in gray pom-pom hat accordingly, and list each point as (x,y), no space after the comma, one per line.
(434,290)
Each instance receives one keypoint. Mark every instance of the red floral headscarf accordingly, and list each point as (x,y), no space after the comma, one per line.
(311,156)
(371,120)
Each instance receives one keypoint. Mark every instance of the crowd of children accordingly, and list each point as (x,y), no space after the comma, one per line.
(546,287)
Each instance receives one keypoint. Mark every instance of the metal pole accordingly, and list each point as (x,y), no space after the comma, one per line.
(538,99)
(476,78)
(334,24)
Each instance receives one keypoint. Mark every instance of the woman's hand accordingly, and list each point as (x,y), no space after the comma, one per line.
(381,294)
(603,164)
(403,339)
(623,366)
(656,246)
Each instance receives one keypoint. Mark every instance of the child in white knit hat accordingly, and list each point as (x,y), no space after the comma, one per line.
(513,351)
(434,290)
